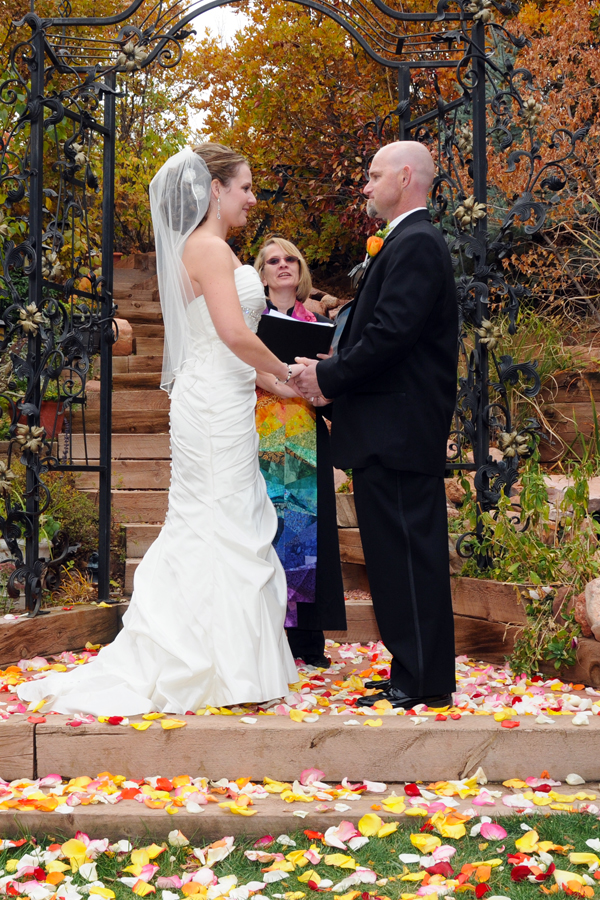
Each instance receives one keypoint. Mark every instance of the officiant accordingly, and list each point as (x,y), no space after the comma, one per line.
(295,459)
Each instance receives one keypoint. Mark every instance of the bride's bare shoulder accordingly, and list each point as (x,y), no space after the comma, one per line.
(203,246)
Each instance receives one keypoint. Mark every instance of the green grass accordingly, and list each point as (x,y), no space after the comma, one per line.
(569,830)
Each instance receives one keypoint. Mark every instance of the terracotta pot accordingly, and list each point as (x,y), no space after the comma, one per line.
(52,417)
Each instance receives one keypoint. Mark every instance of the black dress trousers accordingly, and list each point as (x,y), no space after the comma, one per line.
(404,531)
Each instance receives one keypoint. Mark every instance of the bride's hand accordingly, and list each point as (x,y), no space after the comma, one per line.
(296,369)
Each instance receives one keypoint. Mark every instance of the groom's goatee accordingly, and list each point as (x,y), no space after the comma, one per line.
(372,210)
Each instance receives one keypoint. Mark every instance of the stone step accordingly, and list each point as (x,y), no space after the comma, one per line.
(136,401)
(123,446)
(124,421)
(136,506)
(132,474)
(135,381)
(149,346)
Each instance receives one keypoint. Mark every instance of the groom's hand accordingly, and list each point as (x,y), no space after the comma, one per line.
(306,381)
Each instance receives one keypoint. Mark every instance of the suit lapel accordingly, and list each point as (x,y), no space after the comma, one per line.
(421,215)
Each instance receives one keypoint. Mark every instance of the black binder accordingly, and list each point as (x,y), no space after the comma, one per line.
(288,338)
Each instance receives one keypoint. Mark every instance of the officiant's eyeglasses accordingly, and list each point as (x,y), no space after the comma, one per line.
(275,260)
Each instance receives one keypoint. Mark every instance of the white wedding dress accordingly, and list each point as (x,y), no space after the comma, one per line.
(205,622)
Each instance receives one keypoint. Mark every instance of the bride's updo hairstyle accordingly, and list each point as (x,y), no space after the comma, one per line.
(222,162)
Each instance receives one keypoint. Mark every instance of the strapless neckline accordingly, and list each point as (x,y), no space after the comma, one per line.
(235,271)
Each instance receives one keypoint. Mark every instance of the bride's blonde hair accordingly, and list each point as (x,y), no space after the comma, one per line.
(222,162)
(288,249)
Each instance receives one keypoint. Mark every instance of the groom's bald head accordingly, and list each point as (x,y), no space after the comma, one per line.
(400,177)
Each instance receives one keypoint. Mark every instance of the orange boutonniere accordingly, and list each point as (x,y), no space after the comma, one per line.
(374,245)
(375,242)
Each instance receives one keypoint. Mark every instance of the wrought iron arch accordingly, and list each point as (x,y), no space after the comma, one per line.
(56,287)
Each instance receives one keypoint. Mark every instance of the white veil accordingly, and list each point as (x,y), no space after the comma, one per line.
(179,199)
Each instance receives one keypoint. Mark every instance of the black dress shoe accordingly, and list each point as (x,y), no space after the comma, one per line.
(400,700)
(382,685)
(320,662)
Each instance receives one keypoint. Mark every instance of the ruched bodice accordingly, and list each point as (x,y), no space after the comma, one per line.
(252,300)
(205,623)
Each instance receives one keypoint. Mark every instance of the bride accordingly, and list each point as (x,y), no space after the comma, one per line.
(205,622)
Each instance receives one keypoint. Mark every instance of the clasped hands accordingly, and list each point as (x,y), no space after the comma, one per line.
(304,379)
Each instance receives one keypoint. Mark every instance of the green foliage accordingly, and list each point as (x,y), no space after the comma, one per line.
(531,541)
(557,544)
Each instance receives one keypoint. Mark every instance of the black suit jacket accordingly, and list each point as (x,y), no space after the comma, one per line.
(393,380)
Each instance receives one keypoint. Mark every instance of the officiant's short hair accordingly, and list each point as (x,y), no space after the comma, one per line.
(305,284)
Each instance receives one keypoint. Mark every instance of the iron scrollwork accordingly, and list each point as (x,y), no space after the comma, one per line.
(54,294)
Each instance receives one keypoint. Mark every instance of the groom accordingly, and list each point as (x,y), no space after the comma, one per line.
(393,386)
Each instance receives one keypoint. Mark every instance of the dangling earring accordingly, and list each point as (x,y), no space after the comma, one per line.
(218,207)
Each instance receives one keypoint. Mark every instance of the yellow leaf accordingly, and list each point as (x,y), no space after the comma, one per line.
(374,723)
(103,892)
(140,857)
(169,724)
(154,715)
(369,824)
(140,726)
(426,843)
(297,715)
(387,829)
(528,842)
(414,876)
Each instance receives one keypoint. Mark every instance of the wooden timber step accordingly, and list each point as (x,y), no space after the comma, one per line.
(136,381)
(139,311)
(59,630)
(151,330)
(139,538)
(136,506)
(126,421)
(124,819)
(132,475)
(141,400)
(138,363)
(123,446)
(133,292)
(153,346)
(351,550)
(572,387)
